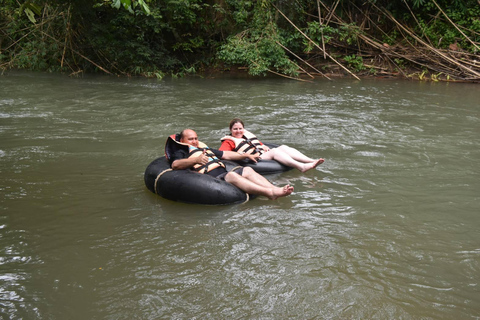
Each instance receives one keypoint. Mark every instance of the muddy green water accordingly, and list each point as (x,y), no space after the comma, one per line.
(387,228)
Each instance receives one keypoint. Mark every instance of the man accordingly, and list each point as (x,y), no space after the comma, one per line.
(206,160)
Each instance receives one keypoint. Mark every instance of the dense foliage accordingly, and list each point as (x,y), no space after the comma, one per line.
(154,38)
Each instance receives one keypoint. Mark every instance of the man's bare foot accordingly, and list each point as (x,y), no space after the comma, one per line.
(311,165)
(278,192)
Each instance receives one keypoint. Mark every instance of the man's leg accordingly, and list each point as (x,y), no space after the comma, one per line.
(256,178)
(251,187)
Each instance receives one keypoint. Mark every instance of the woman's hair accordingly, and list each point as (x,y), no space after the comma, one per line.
(236,120)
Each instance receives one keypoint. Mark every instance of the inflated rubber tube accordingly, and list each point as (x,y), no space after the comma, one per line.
(189,186)
(265,167)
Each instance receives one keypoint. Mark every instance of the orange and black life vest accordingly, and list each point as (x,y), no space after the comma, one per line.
(249,144)
(173,144)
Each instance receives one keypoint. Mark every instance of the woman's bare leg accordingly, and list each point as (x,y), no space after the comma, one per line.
(284,158)
(295,154)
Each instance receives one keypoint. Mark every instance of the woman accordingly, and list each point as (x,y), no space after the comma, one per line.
(241,140)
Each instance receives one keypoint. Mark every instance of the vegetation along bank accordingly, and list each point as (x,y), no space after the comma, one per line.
(434,40)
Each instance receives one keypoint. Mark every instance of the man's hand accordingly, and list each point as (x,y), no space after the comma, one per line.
(187,163)
(202,159)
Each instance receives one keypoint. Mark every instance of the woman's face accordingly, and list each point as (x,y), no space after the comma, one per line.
(237,130)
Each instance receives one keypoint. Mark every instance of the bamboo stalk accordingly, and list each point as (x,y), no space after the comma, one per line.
(453,72)
(303,34)
(288,77)
(332,12)
(416,20)
(456,27)
(305,71)
(14,43)
(434,50)
(66,36)
(281,74)
(308,64)
(81,55)
(321,26)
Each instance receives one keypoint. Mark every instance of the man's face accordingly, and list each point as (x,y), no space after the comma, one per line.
(190,137)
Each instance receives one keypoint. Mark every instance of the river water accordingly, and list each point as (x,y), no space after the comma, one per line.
(387,228)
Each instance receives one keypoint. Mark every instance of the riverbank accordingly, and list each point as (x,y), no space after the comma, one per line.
(374,68)
(331,71)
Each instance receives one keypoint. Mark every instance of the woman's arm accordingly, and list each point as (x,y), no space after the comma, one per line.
(232,155)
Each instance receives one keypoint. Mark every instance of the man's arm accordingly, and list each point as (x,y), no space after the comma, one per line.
(232,155)
(186,163)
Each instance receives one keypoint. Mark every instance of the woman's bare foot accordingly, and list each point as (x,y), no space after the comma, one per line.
(319,162)
(311,165)
(278,192)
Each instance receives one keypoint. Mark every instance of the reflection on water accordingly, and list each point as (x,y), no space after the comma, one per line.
(387,227)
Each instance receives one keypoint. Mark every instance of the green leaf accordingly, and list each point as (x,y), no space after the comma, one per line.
(30,15)
(144,6)
(116,4)
(127,4)
(35,8)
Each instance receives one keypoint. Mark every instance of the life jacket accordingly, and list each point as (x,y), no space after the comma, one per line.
(173,144)
(249,144)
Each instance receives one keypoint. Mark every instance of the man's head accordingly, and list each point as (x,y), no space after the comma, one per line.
(190,137)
